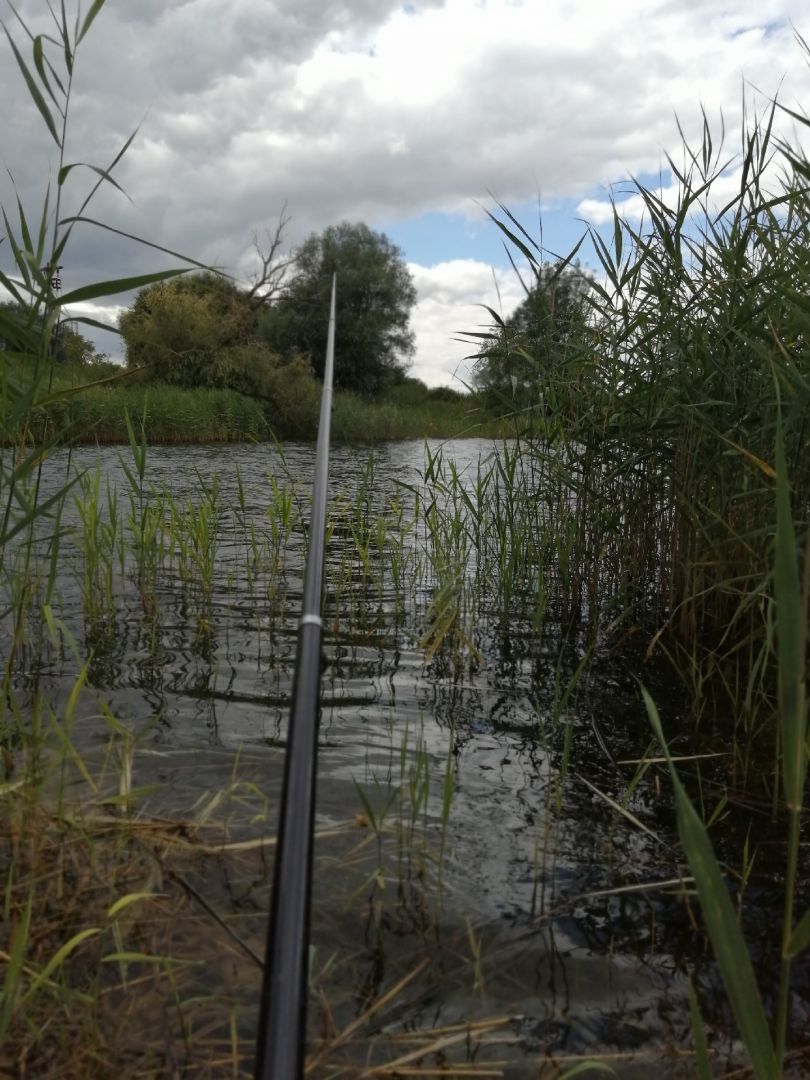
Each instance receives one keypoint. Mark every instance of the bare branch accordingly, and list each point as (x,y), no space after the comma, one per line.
(274,265)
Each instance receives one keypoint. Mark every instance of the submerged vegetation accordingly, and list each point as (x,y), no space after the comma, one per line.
(649,514)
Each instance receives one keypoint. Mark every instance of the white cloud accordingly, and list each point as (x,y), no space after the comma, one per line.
(451,299)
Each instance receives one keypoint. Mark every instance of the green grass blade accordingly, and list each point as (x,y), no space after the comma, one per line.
(64,34)
(790,638)
(117,285)
(587,1067)
(721,922)
(25,232)
(33,90)
(89,18)
(123,902)
(39,64)
(80,219)
(14,967)
(800,938)
(20,259)
(57,960)
(104,174)
(704,1068)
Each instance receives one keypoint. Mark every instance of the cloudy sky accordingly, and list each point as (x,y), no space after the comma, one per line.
(411,117)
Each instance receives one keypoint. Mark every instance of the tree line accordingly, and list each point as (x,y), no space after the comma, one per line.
(268,341)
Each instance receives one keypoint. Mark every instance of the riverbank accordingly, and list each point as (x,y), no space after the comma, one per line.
(88,405)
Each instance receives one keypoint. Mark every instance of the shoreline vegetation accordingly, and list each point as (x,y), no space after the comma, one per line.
(88,404)
(659,489)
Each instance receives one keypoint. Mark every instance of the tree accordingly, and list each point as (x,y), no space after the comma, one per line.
(200,331)
(375,294)
(273,261)
(518,356)
(66,345)
(71,347)
(180,328)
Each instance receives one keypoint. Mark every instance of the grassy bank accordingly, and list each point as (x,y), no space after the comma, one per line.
(67,401)
(412,412)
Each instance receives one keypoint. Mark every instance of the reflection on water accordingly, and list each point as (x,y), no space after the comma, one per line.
(197,651)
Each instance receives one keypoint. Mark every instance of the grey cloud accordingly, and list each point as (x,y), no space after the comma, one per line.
(229,134)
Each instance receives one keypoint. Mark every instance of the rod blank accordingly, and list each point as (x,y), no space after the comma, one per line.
(282,1022)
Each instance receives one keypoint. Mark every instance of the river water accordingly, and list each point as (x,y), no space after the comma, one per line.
(563,915)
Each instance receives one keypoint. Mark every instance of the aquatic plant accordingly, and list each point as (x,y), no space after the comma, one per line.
(650,445)
(668,446)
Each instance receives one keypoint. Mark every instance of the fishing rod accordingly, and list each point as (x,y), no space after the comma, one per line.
(282,1022)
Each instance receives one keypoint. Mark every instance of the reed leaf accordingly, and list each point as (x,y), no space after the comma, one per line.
(116,285)
(704,1068)
(721,921)
(791,638)
(800,938)
(89,18)
(14,968)
(123,902)
(33,89)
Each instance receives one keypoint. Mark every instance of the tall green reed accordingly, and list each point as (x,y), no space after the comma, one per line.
(668,444)
(650,436)
(35,247)
(790,595)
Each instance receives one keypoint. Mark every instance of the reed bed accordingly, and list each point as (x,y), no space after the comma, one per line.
(136,934)
(651,435)
(667,438)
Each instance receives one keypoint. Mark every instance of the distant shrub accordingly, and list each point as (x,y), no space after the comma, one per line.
(292,399)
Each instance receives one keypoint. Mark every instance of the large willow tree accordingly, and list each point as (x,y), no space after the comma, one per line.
(375,295)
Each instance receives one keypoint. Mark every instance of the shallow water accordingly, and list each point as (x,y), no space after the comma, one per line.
(583,923)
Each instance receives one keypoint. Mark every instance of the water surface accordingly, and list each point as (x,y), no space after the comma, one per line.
(583,920)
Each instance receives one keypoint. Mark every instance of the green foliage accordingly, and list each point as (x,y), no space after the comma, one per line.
(177,329)
(520,356)
(199,332)
(294,398)
(410,391)
(375,294)
(72,348)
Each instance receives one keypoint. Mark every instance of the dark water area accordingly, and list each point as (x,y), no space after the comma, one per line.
(563,903)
